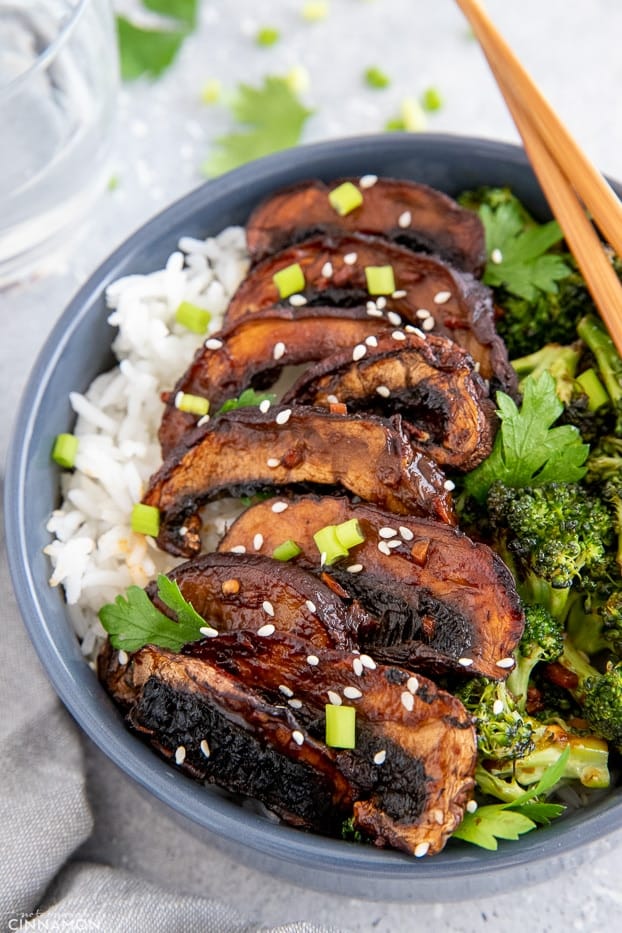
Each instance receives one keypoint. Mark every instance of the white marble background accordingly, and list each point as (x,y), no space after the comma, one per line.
(572,48)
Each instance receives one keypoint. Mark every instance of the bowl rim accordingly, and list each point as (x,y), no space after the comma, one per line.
(273,840)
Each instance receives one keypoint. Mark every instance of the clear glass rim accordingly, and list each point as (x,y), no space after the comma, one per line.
(50,51)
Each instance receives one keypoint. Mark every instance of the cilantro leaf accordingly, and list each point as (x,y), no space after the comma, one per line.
(247,399)
(523,267)
(528,451)
(146,51)
(134,622)
(273,118)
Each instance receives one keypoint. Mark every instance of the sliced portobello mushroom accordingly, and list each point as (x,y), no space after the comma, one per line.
(443,602)
(223,701)
(457,305)
(253,352)
(409,213)
(233,591)
(430,381)
(245,451)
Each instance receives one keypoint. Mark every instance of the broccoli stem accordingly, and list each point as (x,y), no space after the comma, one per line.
(561,362)
(594,335)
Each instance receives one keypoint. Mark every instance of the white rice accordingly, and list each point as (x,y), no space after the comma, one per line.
(94,553)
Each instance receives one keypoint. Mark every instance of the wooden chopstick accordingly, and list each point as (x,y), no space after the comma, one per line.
(561,169)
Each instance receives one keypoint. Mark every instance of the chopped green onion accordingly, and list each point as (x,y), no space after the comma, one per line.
(267,35)
(593,388)
(329,545)
(376,78)
(113,183)
(314,11)
(64,450)
(192,317)
(298,80)
(211,91)
(411,117)
(349,533)
(380,280)
(286,550)
(193,404)
(340,726)
(345,198)
(145,519)
(431,100)
(289,280)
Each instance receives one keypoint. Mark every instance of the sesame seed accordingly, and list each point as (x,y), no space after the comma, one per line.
(368,662)
(372,310)
(406,533)
(212,343)
(298,737)
(295,704)
(327,270)
(505,662)
(384,548)
(350,258)
(439,816)
(122,657)
(417,332)
(297,301)
(357,667)
(399,293)
(465,662)
(258,541)
(286,691)
(180,755)
(380,757)
(332,399)
(367,181)
(359,352)
(238,549)
(477,366)
(471,806)
(208,631)
(283,416)
(421,849)
(404,220)
(310,605)
(497,707)
(394,543)
(354,568)
(428,324)
(323,556)
(352,693)
(449,485)
(313,660)
(272,462)
(398,335)
(267,607)
(205,749)
(334,698)
(496,256)
(381,302)
(266,630)
(412,684)
(264,406)
(394,318)
(371,341)
(280,507)
(442,298)
(408,701)
(384,391)
(203,420)
(422,313)
(387,532)
(279,350)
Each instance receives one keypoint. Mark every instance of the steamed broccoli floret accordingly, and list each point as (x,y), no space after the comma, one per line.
(560,361)
(503,733)
(550,536)
(598,694)
(542,640)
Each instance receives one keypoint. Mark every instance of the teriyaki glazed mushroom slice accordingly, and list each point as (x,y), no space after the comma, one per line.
(430,381)
(245,451)
(219,711)
(409,213)
(356,269)
(252,354)
(443,602)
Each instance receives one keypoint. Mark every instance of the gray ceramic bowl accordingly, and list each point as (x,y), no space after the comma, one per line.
(76,351)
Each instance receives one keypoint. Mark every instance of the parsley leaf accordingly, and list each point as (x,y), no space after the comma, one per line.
(511,820)
(247,399)
(528,451)
(273,118)
(151,51)
(523,268)
(135,622)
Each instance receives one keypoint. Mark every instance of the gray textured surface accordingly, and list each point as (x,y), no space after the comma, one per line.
(164,134)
